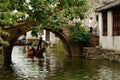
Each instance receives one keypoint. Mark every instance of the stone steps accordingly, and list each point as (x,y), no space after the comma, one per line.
(92,53)
(94,41)
(99,53)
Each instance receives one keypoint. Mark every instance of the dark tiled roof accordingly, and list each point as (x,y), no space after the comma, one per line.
(109,5)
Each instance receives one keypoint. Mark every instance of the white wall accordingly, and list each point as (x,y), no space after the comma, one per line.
(53,38)
(29,36)
(109,41)
(44,33)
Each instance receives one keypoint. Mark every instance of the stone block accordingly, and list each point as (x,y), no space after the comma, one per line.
(1,60)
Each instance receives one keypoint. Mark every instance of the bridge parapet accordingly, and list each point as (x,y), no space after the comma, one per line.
(66,31)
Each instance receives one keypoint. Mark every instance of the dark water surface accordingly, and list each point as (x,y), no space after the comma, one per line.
(54,67)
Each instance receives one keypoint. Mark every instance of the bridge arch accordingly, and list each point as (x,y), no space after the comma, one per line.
(18,30)
(64,40)
(72,49)
(58,33)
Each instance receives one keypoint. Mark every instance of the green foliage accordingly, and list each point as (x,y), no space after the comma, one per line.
(52,13)
(3,32)
(79,33)
(35,32)
(4,43)
(66,11)
(7,18)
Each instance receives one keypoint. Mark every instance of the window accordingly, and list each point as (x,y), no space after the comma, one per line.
(116,22)
(104,17)
(47,35)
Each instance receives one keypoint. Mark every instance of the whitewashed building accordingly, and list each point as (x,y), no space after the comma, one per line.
(109,25)
(47,36)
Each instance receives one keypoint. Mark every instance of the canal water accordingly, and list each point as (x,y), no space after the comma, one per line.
(55,66)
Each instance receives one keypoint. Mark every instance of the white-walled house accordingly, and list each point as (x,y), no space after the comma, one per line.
(47,36)
(50,37)
(29,36)
(109,25)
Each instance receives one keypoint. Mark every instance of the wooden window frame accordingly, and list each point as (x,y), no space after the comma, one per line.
(116,21)
(104,25)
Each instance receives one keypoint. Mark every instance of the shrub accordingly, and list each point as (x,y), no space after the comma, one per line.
(79,33)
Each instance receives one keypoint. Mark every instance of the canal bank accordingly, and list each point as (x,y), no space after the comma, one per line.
(95,52)
(99,53)
(92,53)
(55,67)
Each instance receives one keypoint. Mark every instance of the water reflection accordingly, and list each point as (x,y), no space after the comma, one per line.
(28,68)
(54,68)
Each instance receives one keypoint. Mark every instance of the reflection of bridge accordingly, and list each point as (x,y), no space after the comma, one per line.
(72,49)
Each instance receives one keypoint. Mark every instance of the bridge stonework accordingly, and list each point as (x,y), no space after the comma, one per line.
(1,57)
(72,49)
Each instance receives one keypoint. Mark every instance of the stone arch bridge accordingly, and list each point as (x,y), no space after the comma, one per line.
(72,49)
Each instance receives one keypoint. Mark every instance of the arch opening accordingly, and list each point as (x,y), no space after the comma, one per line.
(59,34)
(15,34)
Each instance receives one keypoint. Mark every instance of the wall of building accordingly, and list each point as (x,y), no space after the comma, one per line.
(109,41)
(52,38)
(29,36)
(93,4)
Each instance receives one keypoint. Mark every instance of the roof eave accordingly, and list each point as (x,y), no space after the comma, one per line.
(109,6)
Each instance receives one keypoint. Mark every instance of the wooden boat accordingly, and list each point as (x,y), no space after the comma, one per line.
(34,53)
(39,53)
(29,52)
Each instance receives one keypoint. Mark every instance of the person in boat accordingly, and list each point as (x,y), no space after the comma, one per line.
(39,43)
(33,51)
(29,52)
(40,51)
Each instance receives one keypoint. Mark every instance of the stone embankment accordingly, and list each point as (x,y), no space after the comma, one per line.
(99,53)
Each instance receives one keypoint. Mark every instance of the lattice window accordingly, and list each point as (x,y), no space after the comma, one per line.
(116,22)
(104,17)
